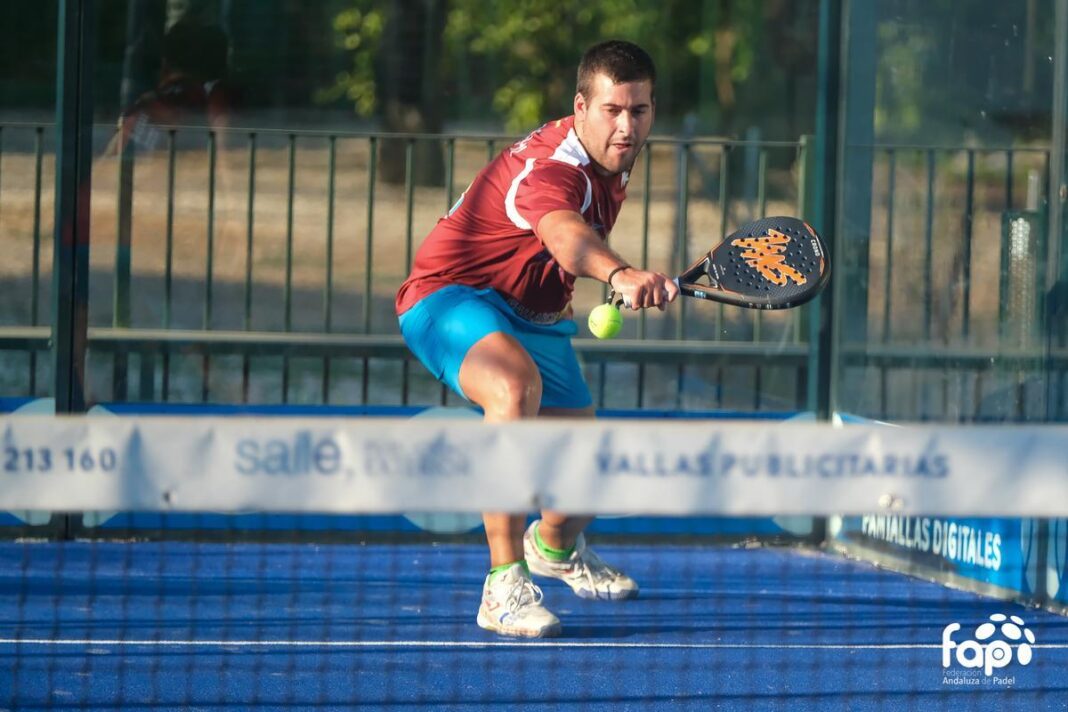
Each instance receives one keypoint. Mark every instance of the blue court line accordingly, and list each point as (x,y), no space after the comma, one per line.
(172,625)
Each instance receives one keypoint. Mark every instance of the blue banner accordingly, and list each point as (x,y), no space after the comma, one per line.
(1057,561)
(994,551)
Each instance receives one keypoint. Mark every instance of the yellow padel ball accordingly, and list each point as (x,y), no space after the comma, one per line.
(605,321)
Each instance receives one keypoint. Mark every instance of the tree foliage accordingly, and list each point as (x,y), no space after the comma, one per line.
(529,49)
(359,29)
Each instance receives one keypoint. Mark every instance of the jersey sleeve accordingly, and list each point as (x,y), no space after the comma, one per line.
(547,186)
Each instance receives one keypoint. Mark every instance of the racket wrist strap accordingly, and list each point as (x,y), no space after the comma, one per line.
(613,274)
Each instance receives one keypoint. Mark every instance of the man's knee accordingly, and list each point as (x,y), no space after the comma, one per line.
(499,375)
(513,393)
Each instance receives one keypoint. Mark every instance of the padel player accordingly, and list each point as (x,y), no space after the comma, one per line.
(487,307)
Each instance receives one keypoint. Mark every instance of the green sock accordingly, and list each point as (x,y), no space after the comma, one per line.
(548,552)
(498,570)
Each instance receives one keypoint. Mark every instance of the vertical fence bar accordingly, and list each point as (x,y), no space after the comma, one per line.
(409,199)
(168,266)
(928,246)
(602,383)
(969,223)
(1056,194)
(724,189)
(966,257)
(724,221)
(491,149)
(928,278)
(328,287)
(287,292)
(1058,407)
(450,169)
(758,315)
(805,159)
(602,367)
(209,268)
(1009,169)
(762,184)
(681,224)
(35,276)
(1003,269)
(814,381)
(75,62)
(647,197)
(250,215)
(32,381)
(1006,270)
(724,215)
(368,282)
(724,198)
(1003,282)
(888,292)
(646,203)
(120,317)
(977,389)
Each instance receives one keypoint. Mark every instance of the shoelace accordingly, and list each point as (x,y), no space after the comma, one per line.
(590,562)
(523,591)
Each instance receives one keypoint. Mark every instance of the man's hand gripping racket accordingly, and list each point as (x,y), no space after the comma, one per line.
(771,263)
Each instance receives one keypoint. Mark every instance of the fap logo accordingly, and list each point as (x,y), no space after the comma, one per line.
(984,650)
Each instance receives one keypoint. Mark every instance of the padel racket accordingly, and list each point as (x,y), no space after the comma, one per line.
(771,263)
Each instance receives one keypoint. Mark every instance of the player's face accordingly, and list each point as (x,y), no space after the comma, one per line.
(614,121)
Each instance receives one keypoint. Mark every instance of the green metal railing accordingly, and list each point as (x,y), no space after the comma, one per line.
(154,348)
(956,358)
(697,357)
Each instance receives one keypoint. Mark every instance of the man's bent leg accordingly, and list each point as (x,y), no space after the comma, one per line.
(557,530)
(556,547)
(499,375)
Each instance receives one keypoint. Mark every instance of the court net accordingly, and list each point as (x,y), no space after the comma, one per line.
(240,563)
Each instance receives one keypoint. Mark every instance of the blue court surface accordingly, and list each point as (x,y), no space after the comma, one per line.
(175,625)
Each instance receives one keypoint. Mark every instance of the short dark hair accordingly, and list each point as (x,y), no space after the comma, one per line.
(619,60)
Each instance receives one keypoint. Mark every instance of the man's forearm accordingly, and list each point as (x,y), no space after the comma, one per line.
(577,247)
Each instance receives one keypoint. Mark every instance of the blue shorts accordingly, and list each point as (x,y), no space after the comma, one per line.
(442,327)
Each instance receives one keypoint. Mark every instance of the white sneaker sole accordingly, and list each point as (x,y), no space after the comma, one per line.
(537,570)
(486,622)
(606,595)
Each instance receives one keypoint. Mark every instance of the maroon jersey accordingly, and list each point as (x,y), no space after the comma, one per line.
(490,237)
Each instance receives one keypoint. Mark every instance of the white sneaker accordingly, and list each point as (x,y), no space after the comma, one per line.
(511,605)
(584,571)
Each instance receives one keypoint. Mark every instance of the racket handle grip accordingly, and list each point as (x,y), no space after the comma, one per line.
(626,303)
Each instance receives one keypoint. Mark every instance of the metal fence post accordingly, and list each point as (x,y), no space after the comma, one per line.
(1056,284)
(824,187)
(74,126)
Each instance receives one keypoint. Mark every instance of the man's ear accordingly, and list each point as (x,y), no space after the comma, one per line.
(580,105)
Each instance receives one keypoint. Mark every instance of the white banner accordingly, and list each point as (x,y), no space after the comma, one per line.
(624,467)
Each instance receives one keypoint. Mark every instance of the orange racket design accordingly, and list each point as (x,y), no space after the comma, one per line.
(771,263)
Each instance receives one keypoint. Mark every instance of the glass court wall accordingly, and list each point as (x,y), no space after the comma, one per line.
(259,176)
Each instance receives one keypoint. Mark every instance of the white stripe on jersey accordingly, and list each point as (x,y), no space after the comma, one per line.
(509,200)
(573,152)
(569,151)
